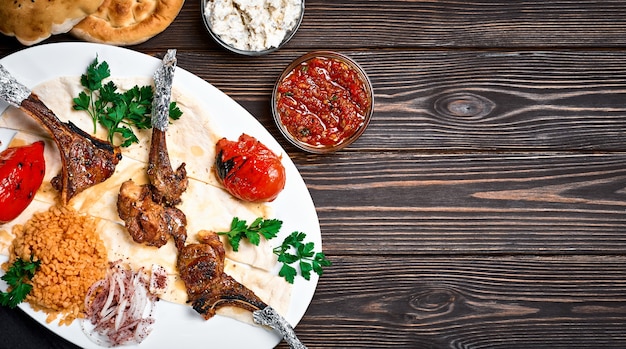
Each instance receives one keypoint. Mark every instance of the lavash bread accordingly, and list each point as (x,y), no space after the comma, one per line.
(205,203)
(32,21)
(127,22)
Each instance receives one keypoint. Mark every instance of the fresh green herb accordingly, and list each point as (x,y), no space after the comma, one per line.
(239,229)
(92,81)
(117,111)
(16,277)
(294,249)
(175,112)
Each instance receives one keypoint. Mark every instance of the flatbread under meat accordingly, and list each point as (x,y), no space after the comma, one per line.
(207,205)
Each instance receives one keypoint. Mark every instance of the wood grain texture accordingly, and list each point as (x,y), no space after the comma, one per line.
(466,100)
(416,24)
(555,203)
(476,302)
(487,24)
(432,24)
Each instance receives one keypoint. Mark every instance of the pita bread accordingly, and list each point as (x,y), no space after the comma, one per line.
(127,22)
(32,21)
(206,204)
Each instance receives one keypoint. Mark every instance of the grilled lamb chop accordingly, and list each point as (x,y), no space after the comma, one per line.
(201,267)
(148,222)
(86,160)
(167,185)
(148,210)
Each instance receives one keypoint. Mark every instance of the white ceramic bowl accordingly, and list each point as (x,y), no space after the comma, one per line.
(290,33)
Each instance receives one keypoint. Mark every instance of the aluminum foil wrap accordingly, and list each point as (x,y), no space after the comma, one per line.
(163,78)
(270,317)
(11,90)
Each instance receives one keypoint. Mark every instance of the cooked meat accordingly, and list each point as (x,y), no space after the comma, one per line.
(150,217)
(201,267)
(148,210)
(148,222)
(168,185)
(86,160)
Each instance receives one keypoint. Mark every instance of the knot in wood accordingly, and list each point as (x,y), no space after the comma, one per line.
(434,300)
(464,105)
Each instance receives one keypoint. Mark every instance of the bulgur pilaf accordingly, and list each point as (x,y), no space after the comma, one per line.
(72,255)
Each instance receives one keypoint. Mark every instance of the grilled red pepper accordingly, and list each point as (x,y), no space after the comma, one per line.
(21,173)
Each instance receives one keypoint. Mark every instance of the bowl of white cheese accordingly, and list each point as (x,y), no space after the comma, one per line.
(252,27)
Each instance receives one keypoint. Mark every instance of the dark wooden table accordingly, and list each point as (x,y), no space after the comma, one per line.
(485,205)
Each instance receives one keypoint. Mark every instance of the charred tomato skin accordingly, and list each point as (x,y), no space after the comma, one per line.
(21,173)
(249,170)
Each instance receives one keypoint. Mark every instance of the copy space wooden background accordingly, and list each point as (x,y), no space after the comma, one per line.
(485,206)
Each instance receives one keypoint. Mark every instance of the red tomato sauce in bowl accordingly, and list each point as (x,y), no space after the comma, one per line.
(322,102)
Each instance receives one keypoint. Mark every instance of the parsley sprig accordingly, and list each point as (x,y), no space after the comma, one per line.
(16,277)
(239,229)
(293,249)
(117,111)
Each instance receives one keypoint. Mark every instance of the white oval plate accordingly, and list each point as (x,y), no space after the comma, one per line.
(178,325)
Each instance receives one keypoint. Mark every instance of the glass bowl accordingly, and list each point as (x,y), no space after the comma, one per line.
(327,115)
(288,35)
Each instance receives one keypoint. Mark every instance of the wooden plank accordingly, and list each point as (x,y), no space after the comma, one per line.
(464,100)
(500,203)
(432,24)
(476,23)
(421,24)
(477,302)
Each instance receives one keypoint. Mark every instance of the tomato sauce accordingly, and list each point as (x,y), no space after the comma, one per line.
(322,101)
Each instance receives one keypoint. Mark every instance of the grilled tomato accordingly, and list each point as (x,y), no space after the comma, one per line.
(21,174)
(249,170)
